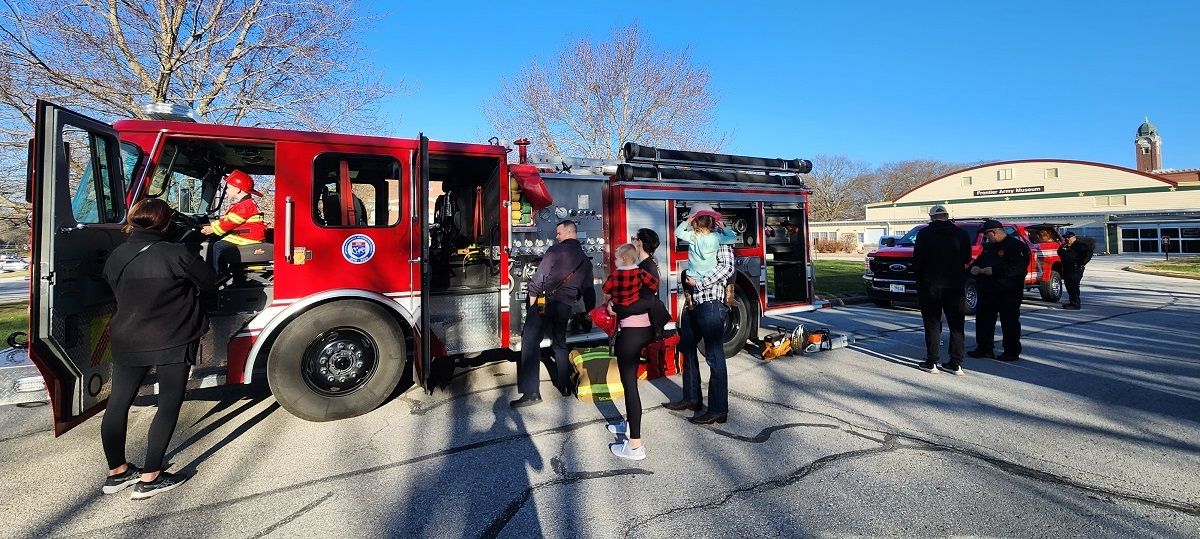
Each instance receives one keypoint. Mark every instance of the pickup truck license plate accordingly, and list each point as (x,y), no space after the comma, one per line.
(897,288)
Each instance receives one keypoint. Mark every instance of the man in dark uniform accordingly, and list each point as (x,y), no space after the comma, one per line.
(1074,255)
(564,275)
(940,259)
(1000,279)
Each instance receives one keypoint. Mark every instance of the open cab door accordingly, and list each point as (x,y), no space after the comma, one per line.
(77,190)
(424,360)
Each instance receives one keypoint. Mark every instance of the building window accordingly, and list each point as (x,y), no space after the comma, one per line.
(1004,174)
(966,180)
(1051,173)
(1110,200)
(1145,150)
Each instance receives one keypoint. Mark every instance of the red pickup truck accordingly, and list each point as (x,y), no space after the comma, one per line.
(889,275)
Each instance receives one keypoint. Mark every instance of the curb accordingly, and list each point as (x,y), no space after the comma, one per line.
(1132,269)
(842,302)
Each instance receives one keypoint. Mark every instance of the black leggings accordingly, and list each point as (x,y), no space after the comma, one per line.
(172,382)
(630,342)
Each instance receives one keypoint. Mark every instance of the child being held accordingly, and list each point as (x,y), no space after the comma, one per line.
(625,284)
(624,287)
(705,235)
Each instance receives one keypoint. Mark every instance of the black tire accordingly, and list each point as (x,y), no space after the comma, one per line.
(1052,290)
(971,291)
(338,360)
(740,324)
(882,302)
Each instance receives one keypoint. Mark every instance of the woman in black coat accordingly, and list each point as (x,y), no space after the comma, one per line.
(157,326)
(629,342)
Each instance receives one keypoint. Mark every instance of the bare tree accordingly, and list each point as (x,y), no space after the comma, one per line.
(836,183)
(891,180)
(841,186)
(277,63)
(594,97)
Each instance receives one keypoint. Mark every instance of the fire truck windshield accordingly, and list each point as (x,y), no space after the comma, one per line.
(189,172)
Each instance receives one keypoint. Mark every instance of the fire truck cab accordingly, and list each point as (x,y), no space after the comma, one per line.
(382,252)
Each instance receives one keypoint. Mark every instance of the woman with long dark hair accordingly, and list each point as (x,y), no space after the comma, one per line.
(157,326)
(634,332)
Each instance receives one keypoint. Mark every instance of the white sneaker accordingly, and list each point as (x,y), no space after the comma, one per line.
(624,451)
(620,429)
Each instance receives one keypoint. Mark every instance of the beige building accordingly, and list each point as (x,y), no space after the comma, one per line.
(1124,210)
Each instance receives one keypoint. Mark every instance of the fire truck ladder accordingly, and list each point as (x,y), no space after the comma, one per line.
(649,162)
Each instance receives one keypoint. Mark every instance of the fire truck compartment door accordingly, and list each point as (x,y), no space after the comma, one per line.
(78,205)
(424,358)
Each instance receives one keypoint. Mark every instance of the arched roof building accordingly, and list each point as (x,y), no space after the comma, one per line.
(1121,208)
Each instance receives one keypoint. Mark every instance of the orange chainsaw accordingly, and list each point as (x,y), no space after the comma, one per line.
(783,343)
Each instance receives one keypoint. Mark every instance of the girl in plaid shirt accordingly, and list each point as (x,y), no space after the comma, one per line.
(624,286)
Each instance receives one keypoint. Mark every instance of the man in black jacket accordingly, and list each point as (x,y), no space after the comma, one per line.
(1000,280)
(564,275)
(1074,255)
(940,259)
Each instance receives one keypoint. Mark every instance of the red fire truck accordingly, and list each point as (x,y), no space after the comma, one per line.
(383,252)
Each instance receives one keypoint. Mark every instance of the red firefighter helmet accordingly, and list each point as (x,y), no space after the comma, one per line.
(242,181)
(603,320)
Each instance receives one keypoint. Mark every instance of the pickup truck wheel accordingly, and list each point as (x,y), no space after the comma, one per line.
(1052,290)
(972,294)
(338,360)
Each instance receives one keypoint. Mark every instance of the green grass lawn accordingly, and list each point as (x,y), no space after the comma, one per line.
(1189,265)
(839,278)
(13,317)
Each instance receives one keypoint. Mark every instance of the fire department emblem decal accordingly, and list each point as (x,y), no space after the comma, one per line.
(358,248)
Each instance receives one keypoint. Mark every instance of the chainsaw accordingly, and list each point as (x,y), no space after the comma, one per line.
(783,343)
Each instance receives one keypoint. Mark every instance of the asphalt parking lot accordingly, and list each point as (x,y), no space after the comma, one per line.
(1096,432)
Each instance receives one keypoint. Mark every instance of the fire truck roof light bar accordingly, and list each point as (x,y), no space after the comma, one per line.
(633,152)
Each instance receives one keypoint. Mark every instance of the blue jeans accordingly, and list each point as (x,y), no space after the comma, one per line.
(219,247)
(705,322)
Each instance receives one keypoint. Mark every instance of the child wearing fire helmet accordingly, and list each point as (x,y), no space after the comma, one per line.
(242,224)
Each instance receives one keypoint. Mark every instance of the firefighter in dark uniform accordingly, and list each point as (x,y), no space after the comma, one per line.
(1000,280)
(1074,255)
(563,276)
(940,259)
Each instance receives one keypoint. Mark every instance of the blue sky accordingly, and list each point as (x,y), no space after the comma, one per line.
(875,81)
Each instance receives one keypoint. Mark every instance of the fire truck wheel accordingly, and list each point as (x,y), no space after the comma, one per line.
(740,324)
(972,294)
(338,360)
(1052,290)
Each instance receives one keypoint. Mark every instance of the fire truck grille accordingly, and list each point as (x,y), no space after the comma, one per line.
(466,322)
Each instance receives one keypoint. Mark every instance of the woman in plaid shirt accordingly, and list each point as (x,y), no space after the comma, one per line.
(624,287)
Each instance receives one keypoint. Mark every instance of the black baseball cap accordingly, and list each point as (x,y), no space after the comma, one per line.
(990,224)
(1069,235)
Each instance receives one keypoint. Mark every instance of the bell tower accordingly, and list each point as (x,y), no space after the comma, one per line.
(1147,145)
